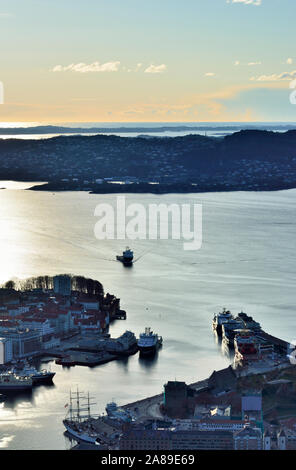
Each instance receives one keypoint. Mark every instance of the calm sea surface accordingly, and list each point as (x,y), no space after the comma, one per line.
(247,261)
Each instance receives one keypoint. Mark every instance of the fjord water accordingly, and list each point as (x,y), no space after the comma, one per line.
(247,261)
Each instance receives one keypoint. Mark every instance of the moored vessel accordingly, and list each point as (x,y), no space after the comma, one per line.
(79,425)
(249,322)
(221,318)
(37,376)
(149,342)
(229,329)
(245,345)
(11,382)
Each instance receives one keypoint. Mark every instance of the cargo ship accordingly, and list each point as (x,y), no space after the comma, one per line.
(149,342)
(127,257)
(220,319)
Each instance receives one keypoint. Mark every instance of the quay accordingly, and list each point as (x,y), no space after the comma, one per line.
(149,407)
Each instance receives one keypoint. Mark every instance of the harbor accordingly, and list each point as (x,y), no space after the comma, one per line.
(179,308)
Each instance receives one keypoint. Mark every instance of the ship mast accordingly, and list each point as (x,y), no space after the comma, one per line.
(88,405)
(71,407)
(78,410)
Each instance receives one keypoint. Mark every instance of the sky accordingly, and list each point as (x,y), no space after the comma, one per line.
(147,61)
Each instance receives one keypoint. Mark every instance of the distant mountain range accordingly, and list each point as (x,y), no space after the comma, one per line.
(51,129)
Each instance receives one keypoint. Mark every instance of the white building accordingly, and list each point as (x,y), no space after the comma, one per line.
(42,325)
(5,350)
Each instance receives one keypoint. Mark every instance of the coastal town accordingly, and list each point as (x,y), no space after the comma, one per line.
(64,317)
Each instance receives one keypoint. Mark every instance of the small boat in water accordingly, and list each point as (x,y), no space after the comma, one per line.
(149,342)
(127,257)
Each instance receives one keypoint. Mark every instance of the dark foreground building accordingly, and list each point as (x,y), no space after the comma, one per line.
(176,440)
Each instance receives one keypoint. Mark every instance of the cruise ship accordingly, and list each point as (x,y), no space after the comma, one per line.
(149,342)
(127,257)
(220,319)
(245,345)
(11,382)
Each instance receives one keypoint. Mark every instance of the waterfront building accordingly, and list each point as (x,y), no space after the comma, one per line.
(62,284)
(25,343)
(248,438)
(252,407)
(175,399)
(221,424)
(222,380)
(202,440)
(5,350)
(140,439)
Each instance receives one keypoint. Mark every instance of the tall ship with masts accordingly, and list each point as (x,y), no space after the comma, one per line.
(78,420)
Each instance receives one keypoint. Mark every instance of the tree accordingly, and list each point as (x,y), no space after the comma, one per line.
(10,285)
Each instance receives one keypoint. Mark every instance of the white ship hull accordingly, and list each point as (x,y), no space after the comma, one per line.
(80,436)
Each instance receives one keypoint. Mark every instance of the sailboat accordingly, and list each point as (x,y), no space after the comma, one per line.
(77,424)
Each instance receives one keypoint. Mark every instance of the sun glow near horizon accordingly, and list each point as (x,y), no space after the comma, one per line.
(104,63)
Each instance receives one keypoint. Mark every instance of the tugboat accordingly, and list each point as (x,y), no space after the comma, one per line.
(79,426)
(149,342)
(220,319)
(127,257)
(11,382)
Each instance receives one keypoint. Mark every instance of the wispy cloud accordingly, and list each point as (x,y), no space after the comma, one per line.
(289,61)
(249,64)
(275,77)
(246,2)
(210,74)
(86,68)
(156,68)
